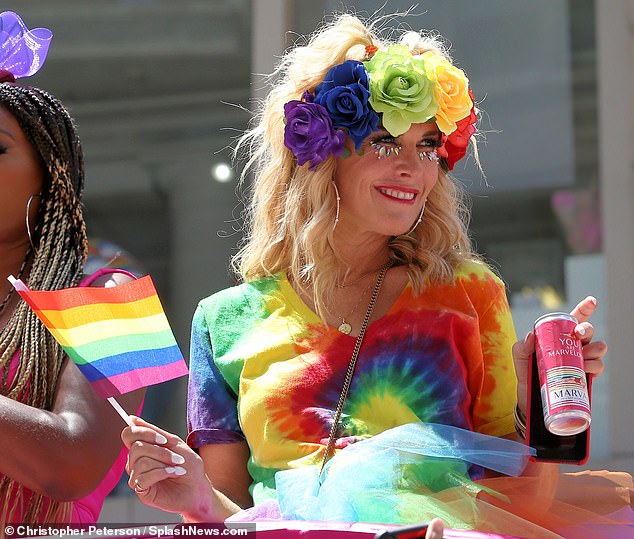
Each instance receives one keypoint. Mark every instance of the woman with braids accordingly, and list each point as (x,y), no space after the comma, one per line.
(60,451)
(364,371)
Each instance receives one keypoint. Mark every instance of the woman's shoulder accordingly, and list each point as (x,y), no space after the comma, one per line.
(477,272)
(481,284)
(234,297)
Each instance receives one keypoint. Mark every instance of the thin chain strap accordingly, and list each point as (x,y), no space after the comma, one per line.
(352,365)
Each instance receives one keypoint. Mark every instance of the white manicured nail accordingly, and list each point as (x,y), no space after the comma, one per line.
(178,459)
(160,439)
(176,470)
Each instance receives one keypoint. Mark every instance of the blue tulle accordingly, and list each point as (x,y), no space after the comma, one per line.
(386,478)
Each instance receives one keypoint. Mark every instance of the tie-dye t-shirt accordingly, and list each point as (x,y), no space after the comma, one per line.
(265,368)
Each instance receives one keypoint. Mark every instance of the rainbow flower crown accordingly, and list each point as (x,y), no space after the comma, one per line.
(403,88)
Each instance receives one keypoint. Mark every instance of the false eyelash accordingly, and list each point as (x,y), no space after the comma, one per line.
(434,142)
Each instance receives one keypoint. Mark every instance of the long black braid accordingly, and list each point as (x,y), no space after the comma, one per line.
(56,262)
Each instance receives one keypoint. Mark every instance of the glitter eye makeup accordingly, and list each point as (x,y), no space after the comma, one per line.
(430,156)
(385,145)
(385,149)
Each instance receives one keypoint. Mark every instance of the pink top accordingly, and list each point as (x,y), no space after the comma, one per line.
(85,510)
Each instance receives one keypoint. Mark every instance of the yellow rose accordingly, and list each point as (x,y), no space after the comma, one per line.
(451,92)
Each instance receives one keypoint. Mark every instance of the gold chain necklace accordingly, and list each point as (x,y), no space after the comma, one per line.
(352,365)
(345,327)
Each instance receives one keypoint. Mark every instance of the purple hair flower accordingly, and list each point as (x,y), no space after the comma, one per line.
(22,51)
(345,94)
(309,133)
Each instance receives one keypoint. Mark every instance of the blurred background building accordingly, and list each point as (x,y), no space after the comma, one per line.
(160,89)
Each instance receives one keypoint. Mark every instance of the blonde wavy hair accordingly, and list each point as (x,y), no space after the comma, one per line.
(289,220)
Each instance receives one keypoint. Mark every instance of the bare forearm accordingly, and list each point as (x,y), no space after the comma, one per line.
(544,471)
(62,454)
(213,506)
(39,449)
(540,484)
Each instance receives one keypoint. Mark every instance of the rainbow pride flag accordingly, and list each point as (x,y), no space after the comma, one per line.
(119,337)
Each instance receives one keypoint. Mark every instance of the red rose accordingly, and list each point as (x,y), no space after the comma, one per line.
(455,147)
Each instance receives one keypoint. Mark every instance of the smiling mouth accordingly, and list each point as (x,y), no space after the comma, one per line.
(395,193)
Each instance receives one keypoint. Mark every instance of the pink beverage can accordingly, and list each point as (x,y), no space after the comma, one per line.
(564,390)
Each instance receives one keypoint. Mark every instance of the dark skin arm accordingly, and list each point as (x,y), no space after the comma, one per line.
(64,453)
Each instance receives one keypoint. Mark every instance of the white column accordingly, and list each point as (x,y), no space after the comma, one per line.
(615,93)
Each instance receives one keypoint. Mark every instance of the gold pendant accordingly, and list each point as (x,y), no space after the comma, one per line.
(344,327)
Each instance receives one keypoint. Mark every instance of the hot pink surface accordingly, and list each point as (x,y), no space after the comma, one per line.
(286,529)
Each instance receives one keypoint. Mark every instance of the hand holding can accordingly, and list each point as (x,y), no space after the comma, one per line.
(562,379)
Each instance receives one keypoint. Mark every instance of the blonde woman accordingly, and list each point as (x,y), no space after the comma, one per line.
(364,371)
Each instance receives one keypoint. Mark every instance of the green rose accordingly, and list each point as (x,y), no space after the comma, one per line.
(400,89)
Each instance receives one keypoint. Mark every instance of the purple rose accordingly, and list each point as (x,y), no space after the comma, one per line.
(345,93)
(309,133)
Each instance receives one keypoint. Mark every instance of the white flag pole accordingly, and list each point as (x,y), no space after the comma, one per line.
(124,415)
(18,284)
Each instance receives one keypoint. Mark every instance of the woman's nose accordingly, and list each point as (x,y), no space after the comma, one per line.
(407,160)
(412,159)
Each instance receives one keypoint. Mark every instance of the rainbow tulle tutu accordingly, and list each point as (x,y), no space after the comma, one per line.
(419,471)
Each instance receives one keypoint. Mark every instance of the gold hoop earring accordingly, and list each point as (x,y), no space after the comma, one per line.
(420,218)
(338,201)
(28,224)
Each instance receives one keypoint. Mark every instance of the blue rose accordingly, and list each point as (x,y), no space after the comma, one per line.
(309,133)
(345,94)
